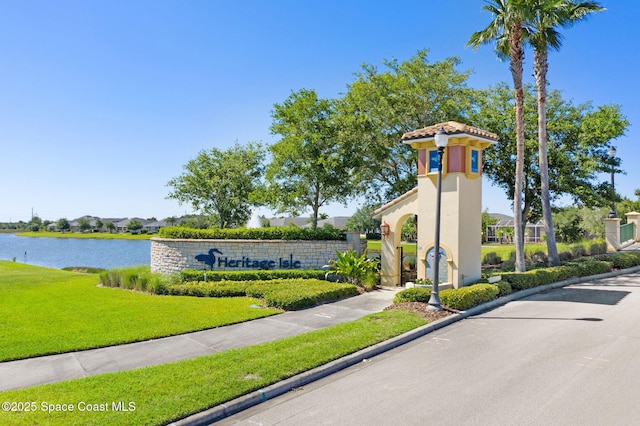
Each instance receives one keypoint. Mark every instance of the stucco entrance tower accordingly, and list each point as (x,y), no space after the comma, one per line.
(461,214)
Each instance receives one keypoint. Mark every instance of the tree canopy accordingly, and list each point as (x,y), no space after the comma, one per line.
(381,105)
(308,167)
(219,183)
(578,141)
(362,221)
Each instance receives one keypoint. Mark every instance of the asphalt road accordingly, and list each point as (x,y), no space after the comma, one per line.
(566,357)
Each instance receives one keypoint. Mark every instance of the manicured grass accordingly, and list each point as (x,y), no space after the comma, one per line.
(172,391)
(502,250)
(46,311)
(376,245)
(505,251)
(88,235)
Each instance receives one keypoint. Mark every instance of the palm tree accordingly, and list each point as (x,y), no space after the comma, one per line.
(545,17)
(507,31)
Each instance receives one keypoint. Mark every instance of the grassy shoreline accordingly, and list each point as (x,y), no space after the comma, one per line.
(86,235)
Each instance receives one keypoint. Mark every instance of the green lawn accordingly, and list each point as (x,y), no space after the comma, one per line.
(502,250)
(168,392)
(46,311)
(505,251)
(375,245)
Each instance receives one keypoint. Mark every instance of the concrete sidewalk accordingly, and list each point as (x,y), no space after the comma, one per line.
(73,365)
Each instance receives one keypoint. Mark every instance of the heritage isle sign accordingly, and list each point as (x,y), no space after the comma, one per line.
(247,262)
(170,255)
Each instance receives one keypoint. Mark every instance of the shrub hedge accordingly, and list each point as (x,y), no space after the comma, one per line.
(416,294)
(468,297)
(200,275)
(621,260)
(272,233)
(291,294)
(504,288)
(454,298)
(538,277)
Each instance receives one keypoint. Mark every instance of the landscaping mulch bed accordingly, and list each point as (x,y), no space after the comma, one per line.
(423,310)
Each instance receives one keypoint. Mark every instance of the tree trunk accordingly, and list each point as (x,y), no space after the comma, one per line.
(516,54)
(540,72)
(315,207)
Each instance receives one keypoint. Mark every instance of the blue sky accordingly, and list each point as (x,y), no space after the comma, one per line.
(103,102)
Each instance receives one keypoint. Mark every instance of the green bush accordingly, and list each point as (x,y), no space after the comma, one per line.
(578,250)
(300,297)
(288,294)
(533,254)
(537,277)
(565,255)
(504,288)
(213,289)
(271,233)
(139,278)
(188,275)
(492,258)
(413,295)
(620,260)
(589,267)
(468,297)
(521,280)
(597,247)
(354,268)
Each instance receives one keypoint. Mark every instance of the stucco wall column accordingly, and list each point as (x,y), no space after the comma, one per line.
(389,270)
(634,217)
(612,234)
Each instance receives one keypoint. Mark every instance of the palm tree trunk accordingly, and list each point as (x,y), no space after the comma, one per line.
(516,55)
(540,72)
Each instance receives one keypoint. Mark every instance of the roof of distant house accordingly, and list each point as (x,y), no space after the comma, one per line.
(339,222)
(505,220)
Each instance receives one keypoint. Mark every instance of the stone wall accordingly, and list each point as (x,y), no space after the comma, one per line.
(174,255)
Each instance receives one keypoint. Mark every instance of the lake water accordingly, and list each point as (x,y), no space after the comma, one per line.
(63,252)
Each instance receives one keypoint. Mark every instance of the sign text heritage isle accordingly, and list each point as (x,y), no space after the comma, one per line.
(212,261)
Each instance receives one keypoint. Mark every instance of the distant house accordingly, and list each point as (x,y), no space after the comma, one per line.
(338,222)
(153,227)
(75,223)
(123,225)
(286,221)
(533,233)
(113,220)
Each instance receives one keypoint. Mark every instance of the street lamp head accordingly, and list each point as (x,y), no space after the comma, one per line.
(612,151)
(441,138)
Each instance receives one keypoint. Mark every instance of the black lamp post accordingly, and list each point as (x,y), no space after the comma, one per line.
(612,156)
(441,139)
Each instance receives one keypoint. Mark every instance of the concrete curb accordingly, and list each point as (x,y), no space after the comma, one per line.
(244,402)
